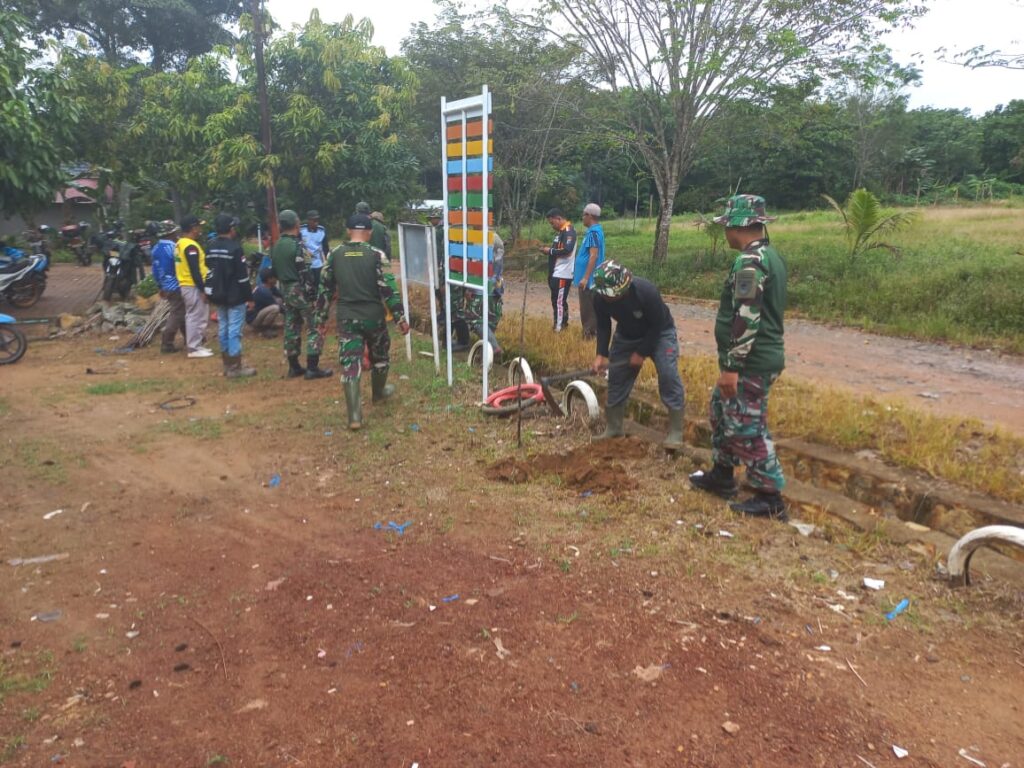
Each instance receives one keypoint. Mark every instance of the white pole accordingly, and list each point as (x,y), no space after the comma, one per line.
(432,281)
(405,287)
(444,225)
(485,200)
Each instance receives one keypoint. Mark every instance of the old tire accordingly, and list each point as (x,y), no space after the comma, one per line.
(517,365)
(12,344)
(477,350)
(579,397)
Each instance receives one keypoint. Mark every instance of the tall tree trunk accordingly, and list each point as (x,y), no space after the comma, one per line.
(667,195)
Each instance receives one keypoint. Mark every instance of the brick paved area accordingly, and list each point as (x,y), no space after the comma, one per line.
(69,288)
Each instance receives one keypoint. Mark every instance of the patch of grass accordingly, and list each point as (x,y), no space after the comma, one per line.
(14,682)
(218,760)
(954,279)
(30,714)
(44,461)
(201,428)
(565,565)
(11,746)
(137,386)
(5,406)
(79,644)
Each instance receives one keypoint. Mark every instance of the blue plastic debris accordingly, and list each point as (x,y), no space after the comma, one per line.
(274,481)
(901,606)
(328,433)
(414,427)
(449,599)
(586,494)
(472,429)
(392,526)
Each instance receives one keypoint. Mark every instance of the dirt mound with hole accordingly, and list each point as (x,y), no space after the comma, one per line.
(595,468)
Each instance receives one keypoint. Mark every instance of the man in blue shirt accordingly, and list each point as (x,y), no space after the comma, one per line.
(266,310)
(314,238)
(167,281)
(589,256)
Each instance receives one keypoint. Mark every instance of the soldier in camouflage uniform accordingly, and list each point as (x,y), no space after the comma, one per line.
(475,300)
(751,356)
(355,274)
(288,257)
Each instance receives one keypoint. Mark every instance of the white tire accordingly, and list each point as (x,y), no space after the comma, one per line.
(580,390)
(959,560)
(517,364)
(474,354)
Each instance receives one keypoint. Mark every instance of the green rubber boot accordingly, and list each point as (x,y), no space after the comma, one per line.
(353,405)
(379,383)
(614,414)
(674,439)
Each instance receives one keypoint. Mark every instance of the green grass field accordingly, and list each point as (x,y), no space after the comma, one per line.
(960,276)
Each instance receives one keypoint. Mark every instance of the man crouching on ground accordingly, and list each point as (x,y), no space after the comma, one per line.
(643,328)
(355,273)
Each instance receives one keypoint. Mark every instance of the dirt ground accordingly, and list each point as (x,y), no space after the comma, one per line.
(243,582)
(942,379)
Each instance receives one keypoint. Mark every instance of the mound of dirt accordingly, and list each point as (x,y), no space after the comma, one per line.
(595,467)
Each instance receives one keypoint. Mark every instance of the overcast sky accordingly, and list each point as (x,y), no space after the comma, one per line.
(955,24)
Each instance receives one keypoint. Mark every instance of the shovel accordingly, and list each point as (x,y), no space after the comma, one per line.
(547,381)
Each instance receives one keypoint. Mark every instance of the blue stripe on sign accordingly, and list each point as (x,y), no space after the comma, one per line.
(475,252)
(472,166)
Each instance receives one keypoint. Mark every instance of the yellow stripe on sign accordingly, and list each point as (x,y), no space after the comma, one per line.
(473,148)
(474,236)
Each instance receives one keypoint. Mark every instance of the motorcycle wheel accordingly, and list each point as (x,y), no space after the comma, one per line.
(25,293)
(108,287)
(12,344)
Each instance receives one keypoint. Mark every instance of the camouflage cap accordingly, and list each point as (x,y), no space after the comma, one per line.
(612,279)
(288,218)
(363,207)
(743,211)
(168,227)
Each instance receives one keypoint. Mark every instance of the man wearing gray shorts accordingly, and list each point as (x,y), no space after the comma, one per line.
(643,328)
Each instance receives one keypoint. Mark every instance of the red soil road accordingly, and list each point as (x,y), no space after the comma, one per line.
(938,378)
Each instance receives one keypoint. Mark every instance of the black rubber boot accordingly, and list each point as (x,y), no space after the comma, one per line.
(353,404)
(614,414)
(313,369)
(461,332)
(674,439)
(718,481)
(770,505)
(294,369)
(379,383)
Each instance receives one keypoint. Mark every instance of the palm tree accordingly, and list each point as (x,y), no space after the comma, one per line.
(865,223)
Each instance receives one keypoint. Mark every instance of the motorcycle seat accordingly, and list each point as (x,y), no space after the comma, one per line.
(13,266)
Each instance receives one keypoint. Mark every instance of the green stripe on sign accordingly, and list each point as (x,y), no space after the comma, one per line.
(473,200)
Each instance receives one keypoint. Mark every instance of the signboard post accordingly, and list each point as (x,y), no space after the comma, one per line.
(468,164)
(418,259)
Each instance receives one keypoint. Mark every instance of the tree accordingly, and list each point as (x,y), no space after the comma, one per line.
(865,222)
(36,124)
(532,82)
(676,62)
(169,31)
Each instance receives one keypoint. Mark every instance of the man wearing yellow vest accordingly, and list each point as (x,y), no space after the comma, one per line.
(190,269)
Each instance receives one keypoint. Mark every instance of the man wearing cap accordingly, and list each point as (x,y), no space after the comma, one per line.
(167,281)
(459,326)
(190,271)
(751,356)
(381,238)
(588,258)
(314,238)
(355,274)
(228,288)
(643,328)
(288,257)
(561,254)
(475,299)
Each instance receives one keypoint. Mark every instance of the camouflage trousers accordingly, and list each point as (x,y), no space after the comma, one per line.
(353,336)
(475,315)
(299,311)
(739,432)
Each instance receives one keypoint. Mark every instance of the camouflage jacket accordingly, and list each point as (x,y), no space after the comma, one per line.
(355,273)
(748,327)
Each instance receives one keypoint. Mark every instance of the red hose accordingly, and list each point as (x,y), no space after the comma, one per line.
(512,394)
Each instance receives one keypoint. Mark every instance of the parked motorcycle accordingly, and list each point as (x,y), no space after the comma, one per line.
(39,240)
(12,341)
(123,268)
(73,236)
(23,280)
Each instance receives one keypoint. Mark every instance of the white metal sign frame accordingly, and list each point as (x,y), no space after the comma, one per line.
(462,111)
(431,245)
